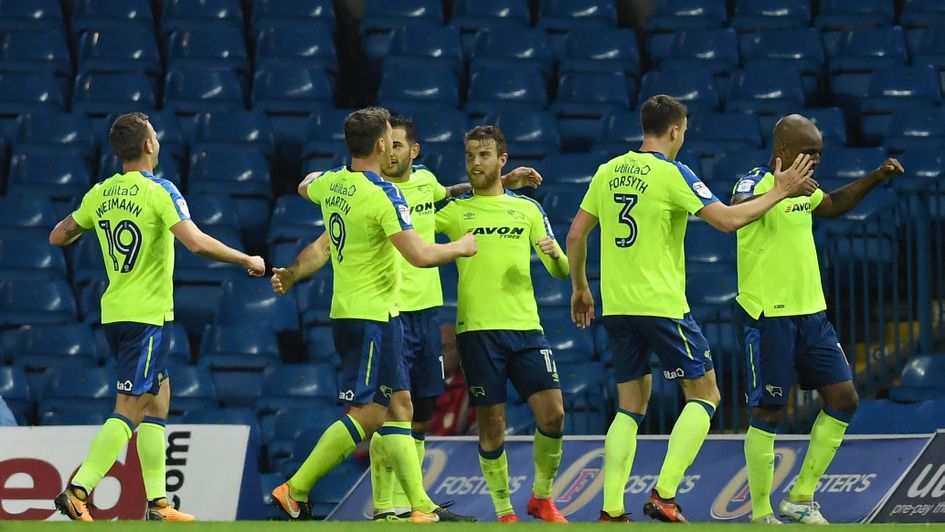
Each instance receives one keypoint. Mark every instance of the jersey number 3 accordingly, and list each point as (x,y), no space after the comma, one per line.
(628,201)
(126,240)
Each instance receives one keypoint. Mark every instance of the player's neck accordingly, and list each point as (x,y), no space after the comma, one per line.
(142,166)
(364,164)
(397,179)
(495,189)
(655,145)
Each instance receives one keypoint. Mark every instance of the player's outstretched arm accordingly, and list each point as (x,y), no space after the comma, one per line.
(310,260)
(423,254)
(849,196)
(521,177)
(788,183)
(204,245)
(582,301)
(65,232)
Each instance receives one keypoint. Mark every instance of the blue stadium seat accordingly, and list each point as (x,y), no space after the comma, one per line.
(928,48)
(279,14)
(830,122)
(35,51)
(505,49)
(239,347)
(15,390)
(922,378)
(250,129)
(707,244)
(292,90)
(30,260)
(210,47)
(320,343)
(569,343)
(433,86)
(711,289)
(448,163)
(26,215)
(24,92)
(922,13)
(561,201)
(56,129)
(168,168)
(227,416)
(308,382)
(766,14)
(505,90)
(431,46)
(571,168)
(236,388)
(87,262)
(766,91)
(620,132)
(325,136)
(714,133)
(95,15)
(44,343)
(528,134)
(438,126)
(72,416)
(178,348)
(195,304)
(902,87)
(61,174)
(191,14)
(252,301)
(672,15)
(381,18)
(921,128)
(693,87)
(473,16)
(315,300)
(330,490)
(728,168)
(605,50)
(192,389)
(191,268)
(213,211)
(564,15)
(102,93)
(868,49)
(308,45)
(800,47)
(118,50)
(294,220)
(714,48)
(201,90)
(849,163)
(233,170)
(875,416)
(90,301)
(78,386)
(581,384)
(584,99)
(16,15)
(36,303)
(839,14)
(291,424)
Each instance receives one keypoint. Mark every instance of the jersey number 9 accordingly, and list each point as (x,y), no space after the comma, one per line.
(628,201)
(126,240)
(336,232)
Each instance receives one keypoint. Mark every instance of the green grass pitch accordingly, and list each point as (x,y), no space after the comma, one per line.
(278,526)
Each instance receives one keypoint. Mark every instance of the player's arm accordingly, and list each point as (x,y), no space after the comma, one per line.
(847,197)
(423,254)
(788,183)
(204,245)
(311,259)
(521,177)
(582,301)
(303,186)
(545,244)
(66,232)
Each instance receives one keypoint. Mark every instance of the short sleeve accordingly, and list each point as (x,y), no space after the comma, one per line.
(540,226)
(444,218)
(689,192)
(393,212)
(591,203)
(83,215)
(439,191)
(314,191)
(170,204)
(816,198)
(747,183)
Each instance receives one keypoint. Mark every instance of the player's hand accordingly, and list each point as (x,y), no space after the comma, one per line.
(582,307)
(889,169)
(521,177)
(282,280)
(792,181)
(467,245)
(808,187)
(255,266)
(548,247)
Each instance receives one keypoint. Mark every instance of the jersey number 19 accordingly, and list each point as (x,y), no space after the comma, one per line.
(128,246)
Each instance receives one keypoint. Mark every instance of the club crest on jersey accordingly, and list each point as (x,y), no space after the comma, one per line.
(702,190)
(744,186)
(518,215)
(404,212)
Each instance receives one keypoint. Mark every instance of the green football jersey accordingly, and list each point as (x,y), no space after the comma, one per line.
(131,214)
(420,287)
(778,272)
(495,285)
(361,211)
(643,201)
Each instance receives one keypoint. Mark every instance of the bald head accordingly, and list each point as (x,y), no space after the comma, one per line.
(795,135)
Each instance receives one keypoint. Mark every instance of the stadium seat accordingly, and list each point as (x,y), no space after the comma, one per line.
(178,347)
(902,87)
(35,51)
(438,46)
(26,215)
(620,132)
(297,45)
(320,342)
(213,211)
(433,86)
(920,128)
(565,15)
(506,90)
(728,168)
(72,416)
(234,170)
(227,416)
(24,92)
(569,343)
(561,202)
(581,384)
(922,13)
(195,304)
(839,14)
(830,122)
(584,99)
(928,48)
(504,49)
(90,301)
(56,129)
(849,163)
(766,14)
(30,260)
(118,49)
(519,420)
(202,90)
(210,47)
(714,133)
(713,289)
(868,49)
(601,51)
(300,383)
(191,14)
(239,347)
(168,168)
(43,343)
(315,300)
(252,301)
(766,91)
(704,243)
(799,47)
(48,302)
(571,168)
(61,174)
(921,379)
(249,129)
(294,220)
(191,268)
(102,93)
(15,390)
(96,15)
(436,127)
(693,87)
(80,386)
(672,15)
(279,14)
(192,390)
(473,16)
(16,15)
(714,48)
(87,262)
(236,387)
(381,18)
(292,90)
(528,134)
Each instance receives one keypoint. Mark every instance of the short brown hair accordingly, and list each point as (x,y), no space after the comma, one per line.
(127,136)
(362,129)
(659,113)
(492,133)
